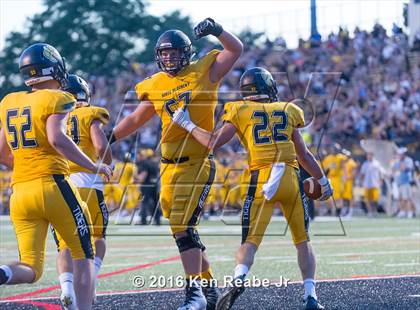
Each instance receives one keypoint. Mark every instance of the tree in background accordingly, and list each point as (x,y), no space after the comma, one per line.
(250,38)
(95,36)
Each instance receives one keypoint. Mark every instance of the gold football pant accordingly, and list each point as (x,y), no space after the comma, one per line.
(337,184)
(184,190)
(98,212)
(348,190)
(37,203)
(257,211)
(371,194)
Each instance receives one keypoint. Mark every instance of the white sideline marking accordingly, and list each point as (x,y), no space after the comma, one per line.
(216,244)
(367,278)
(414,296)
(350,262)
(402,264)
(287,258)
(284,259)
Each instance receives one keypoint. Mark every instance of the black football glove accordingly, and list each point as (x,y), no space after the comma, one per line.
(206,27)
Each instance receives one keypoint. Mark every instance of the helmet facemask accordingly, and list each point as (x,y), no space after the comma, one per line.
(82,99)
(173,60)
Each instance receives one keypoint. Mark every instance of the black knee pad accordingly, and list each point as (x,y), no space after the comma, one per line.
(190,241)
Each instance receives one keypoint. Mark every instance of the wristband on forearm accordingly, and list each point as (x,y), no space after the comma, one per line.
(218,29)
(190,126)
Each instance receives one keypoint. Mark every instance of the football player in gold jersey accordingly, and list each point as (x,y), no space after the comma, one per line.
(33,141)
(186,171)
(268,129)
(85,128)
(350,169)
(334,165)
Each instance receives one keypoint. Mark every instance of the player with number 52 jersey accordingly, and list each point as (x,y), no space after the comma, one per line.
(33,141)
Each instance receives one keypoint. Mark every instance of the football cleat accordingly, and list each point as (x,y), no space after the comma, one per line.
(194,298)
(3,277)
(212,295)
(312,304)
(230,294)
(68,301)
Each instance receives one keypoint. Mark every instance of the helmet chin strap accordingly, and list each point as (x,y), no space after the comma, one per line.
(37,80)
(256,97)
(82,104)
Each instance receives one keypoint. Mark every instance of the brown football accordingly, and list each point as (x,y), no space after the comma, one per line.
(312,188)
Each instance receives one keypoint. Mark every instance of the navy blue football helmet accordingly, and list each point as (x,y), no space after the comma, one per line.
(258,84)
(79,88)
(41,62)
(173,39)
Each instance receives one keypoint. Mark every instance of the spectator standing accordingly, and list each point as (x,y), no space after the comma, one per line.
(371,175)
(403,170)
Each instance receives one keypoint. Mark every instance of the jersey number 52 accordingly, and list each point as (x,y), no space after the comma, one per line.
(19,134)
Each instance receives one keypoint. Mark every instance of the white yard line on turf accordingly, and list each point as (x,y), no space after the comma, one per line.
(266,242)
(402,264)
(289,257)
(350,262)
(280,258)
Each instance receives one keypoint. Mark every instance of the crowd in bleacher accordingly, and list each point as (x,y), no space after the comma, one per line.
(364,84)
(369,80)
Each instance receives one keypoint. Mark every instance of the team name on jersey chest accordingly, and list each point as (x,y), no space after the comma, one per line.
(179,87)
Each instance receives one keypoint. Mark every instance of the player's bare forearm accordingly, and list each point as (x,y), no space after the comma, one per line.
(69,150)
(61,142)
(308,162)
(232,50)
(6,157)
(231,43)
(305,157)
(135,120)
(214,140)
(100,142)
(204,137)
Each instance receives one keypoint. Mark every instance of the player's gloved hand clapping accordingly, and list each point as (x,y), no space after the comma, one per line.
(206,27)
(326,188)
(182,118)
